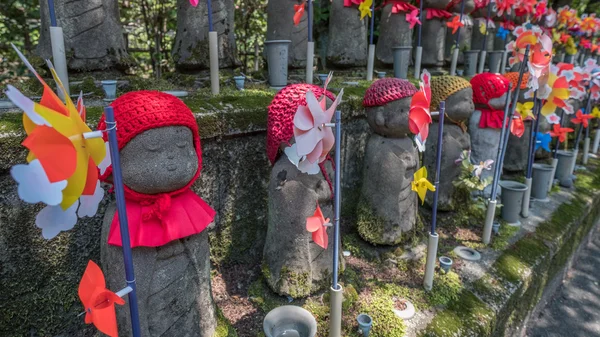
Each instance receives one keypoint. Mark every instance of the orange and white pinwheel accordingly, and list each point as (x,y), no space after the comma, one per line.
(505,6)
(592,68)
(99,302)
(560,132)
(589,24)
(455,24)
(298,13)
(317,225)
(525,110)
(420,184)
(517,127)
(581,118)
(566,16)
(540,53)
(419,116)
(62,169)
(576,77)
(556,93)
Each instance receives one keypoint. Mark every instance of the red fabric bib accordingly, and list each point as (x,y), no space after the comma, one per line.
(187,215)
(491,119)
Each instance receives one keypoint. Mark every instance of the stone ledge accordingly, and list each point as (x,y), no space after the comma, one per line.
(508,286)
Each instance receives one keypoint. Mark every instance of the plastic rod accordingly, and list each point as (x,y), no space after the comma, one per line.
(59,58)
(557,145)
(336,297)
(123,226)
(310,58)
(500,146)
(52,13)
(419,30)
(337,198)
(310,21)
(209,10)
(532,135)
(438,167)
(489,221)
(432,246)
(418,55)
(213,41)
(371,62)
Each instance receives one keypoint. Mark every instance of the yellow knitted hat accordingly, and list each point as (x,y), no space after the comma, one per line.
(443,87)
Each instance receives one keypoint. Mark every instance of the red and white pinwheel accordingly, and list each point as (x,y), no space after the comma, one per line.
(556,93)
(540,52)
(298,13)
(317,225)
(581,118)
(419,116)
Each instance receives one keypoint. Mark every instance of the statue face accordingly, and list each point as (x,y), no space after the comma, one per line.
(498,103)
(390,120)
(469,6)
(159,160)
(459,106)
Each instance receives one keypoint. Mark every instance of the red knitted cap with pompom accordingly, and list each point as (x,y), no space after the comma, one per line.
(387,90)
(487,86)
(139,111)
(280,120)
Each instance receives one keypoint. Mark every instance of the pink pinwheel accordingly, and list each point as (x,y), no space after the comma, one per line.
(313,139)
(593,69)
(413,18)
(317,225)
(419,116)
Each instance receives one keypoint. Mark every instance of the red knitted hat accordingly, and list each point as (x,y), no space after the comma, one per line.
(280,120)
(139,111)
(387,90)
(487,86)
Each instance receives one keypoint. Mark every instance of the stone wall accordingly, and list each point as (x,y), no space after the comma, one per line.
(39,278)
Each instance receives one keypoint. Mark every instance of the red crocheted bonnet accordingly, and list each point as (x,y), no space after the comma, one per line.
(513,77)
(280,119)
(387,90)
(139,111)
(487,86)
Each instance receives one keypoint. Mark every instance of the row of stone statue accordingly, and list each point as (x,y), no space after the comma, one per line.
(293,264)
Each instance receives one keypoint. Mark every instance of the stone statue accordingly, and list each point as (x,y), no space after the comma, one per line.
(388,207)
(479,19)
(466,32)
(458,95)
(281,27)
(191,50)
(489,96)
(347,45)
(293,264)
(517,150)
(394,30)
(83,22)
(160,159)
(434,34)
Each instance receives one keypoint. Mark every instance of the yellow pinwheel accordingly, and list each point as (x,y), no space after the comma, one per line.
(596,112)
(420,184)
(365,8)
(525,110)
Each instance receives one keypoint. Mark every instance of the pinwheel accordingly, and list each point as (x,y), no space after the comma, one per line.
(589,24)
(595,112)
(542,140)
(63,164)
(581,118)
(484,165)
(298,13)
(564,38)
(560,132)
(313,139)
(525,110)
(585,43)
(524,7)
(550,18)
(317,225)
(593,70)
(365,8)
(540,10)
(502,33)
(455,24)
(505,6)
(420,184)
(99,302)
(517,127)
(413,18)
(419,116)
(566,16)
(484,24)
(556,94)
(540,55)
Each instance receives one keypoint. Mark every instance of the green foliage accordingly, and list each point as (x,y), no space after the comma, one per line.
(224,328)
(379,306)
(446,288)
(470,175)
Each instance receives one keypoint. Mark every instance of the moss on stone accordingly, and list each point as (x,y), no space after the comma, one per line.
(262,296)
(500,241)
(298,283)
(224,328)
(466,316)
(369,225)
(139,83)
(320,311)
(446,288)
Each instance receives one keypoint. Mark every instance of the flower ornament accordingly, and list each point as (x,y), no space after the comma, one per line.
(540,10)
(517,127)
(525,7)
(566,16)
(595,112)
(560,132)
(299,12)
(420,184)
(455,23)
(413,18)
(99,302)
(484,24)
(542,140)
(525,110)
(553,119)
(465,155)
(63,164)
(317,225)
(484,165)
(589,24)
(419,116)
(502,33)
(540,54)
(505,6)
(581,118)
(314,140)
(365,8)
(585,43)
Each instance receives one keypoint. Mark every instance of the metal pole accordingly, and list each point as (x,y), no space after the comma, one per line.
(52,13)
(531,153)
(371,55)
(455,52)
(123,226)
(310,49)
(419,50)
(484,46)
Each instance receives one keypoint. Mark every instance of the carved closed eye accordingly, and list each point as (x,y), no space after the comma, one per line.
(151,146)
(181,144)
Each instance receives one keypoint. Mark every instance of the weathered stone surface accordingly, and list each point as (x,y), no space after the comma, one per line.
(292,263)
(347,37)
(434,33)
(517,151)
(484,145)
(469,6)
(390,120)
(438,4)
(82,22)
(280,27)
(191,50)
(388,205)
(454,141)
(394,31)
(464,42)
(173,281)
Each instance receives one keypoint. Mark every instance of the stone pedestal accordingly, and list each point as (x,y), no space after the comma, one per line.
(84,22)
(280,27)
(394,31)
(433,42)
(454,141)
(190,51)
(388,206)
(292,263)
(347,37)
(484,146)
(517,151)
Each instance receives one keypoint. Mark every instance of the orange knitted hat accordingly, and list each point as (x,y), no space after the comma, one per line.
(513,77)
(487,86)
